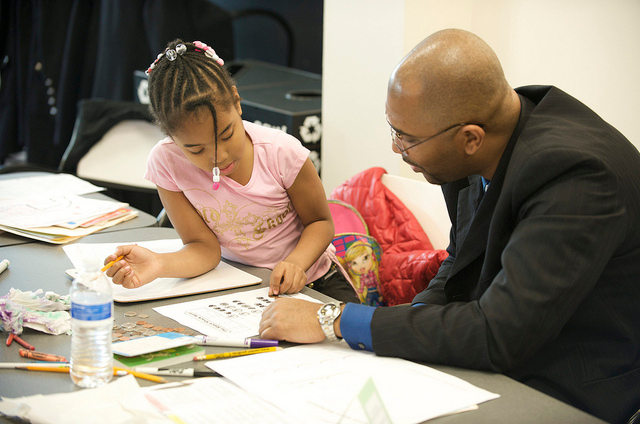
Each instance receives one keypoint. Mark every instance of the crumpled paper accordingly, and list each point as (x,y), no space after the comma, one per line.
(41,311)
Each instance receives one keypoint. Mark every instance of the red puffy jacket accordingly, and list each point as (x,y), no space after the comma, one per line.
(409,261)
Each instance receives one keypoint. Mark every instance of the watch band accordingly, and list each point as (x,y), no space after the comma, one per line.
(327,314)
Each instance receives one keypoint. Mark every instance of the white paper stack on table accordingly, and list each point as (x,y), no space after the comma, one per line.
(49,208)
(222,277)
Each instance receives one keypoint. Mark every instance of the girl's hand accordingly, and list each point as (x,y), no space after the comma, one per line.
(137,267)
(286,277)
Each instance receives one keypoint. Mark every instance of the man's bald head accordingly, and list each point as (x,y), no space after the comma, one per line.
(454,76)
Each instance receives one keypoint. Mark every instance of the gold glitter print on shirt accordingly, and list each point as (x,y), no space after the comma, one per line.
(236,224)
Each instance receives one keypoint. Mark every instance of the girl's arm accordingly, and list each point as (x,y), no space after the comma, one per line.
(310,202)
(201,251)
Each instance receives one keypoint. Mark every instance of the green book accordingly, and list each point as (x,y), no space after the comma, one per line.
(161,358)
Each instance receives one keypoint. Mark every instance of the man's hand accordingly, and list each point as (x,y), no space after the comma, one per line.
(293,320)
(286,277)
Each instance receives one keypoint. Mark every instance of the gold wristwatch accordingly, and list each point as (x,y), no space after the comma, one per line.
(327,314)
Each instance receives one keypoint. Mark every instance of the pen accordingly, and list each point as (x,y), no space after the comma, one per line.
(110,264)
(4,265)
(246,342)
(23,342)
(142,375)
(41,356)
(177,372)
(236,353)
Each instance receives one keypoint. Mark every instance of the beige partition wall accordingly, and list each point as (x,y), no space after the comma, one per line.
(589,48)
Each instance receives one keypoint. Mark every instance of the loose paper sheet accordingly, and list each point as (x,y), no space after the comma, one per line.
(235,315)
(224,276)
(324,381)
(214,399)
(195,401)
(101,405)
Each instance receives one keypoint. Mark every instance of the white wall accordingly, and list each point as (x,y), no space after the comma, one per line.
(588,48)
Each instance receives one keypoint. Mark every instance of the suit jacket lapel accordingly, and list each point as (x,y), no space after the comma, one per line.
(473,220)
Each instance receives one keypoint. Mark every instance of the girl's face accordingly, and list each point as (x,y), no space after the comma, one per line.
(362,264)
(197,141)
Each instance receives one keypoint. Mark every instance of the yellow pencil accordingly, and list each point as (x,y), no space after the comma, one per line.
(60,368)
(110,264)
(142,375)
(236,353)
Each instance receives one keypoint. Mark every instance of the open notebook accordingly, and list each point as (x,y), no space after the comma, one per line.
(224,276)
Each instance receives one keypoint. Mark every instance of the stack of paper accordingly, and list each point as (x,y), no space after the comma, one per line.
(49,208)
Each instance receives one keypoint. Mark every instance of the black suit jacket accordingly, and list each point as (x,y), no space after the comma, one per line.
(543,278)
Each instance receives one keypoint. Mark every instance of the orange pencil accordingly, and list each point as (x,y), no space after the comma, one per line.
(110,264)
(61,368)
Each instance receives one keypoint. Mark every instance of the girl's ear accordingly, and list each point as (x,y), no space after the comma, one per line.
(236,99)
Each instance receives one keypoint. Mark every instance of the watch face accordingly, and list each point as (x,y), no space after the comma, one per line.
(329,311)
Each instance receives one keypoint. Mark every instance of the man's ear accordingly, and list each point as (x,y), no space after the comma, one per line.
(473,138)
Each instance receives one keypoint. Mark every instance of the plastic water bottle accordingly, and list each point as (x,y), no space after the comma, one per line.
(91,326)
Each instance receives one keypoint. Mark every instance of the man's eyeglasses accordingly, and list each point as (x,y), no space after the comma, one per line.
(399,142)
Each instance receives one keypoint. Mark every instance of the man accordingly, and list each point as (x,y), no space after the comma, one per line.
(542,281)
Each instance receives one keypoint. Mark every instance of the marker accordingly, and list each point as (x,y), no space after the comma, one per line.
(247,342)
(177,372)
(4,265)
(110,264)
(235,353)
(41,356)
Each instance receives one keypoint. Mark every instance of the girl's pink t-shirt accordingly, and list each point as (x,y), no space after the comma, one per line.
(255,224)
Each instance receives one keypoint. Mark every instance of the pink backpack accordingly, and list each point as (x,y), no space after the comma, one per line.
(359,253)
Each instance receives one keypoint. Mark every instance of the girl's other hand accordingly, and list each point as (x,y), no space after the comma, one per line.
(137,267)
(286,277)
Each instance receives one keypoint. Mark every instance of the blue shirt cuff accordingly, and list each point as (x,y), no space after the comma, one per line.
(355,326)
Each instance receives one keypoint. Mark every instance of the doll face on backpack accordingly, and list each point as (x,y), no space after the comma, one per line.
(359,258)
(363,263)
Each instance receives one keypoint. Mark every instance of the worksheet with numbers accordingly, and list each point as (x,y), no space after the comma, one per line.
(232,315)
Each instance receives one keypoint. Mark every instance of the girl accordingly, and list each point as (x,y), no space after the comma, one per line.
(231,188)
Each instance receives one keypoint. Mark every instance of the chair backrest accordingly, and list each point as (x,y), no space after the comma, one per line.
(119,158)
(109,147)
(426,202)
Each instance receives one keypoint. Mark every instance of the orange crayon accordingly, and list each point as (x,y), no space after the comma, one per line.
(41,356)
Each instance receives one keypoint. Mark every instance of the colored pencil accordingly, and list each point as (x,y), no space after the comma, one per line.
(235,353)
(110,264)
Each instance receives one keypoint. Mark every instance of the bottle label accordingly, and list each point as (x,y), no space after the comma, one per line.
(90,312)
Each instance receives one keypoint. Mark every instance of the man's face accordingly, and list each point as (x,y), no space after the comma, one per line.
(430,150)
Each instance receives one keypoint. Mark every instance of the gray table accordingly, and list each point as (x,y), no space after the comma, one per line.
(142,220)
(38,265)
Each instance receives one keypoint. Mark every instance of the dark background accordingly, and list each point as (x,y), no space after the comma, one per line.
(55,53)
